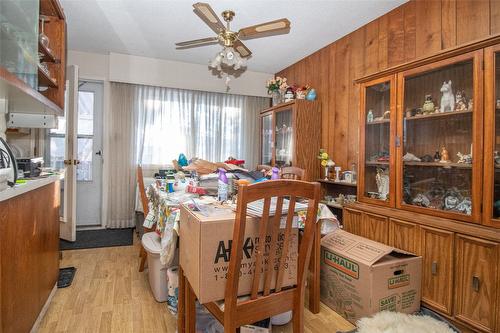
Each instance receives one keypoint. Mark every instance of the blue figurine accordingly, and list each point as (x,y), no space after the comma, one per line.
(182,160)
(311,95)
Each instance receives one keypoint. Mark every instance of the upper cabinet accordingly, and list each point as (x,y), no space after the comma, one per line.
(32,56)
(377,134)
(491,190)
(290,135)
(440,138)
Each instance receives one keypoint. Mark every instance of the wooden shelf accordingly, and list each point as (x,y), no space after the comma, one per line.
(376,122)
(45,80)
(439,115)
(375,163)
(439,164)
(51,8)
(48,56)
(336,183)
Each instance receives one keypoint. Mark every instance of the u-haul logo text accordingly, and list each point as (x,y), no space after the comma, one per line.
(399,281)
(342,264)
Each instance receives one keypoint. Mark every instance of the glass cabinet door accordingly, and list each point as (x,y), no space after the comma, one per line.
(438,122)
(266,157)
(492,137)
(376,142)
(283,143)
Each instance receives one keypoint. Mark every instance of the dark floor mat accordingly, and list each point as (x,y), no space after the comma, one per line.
(66,276)
(88,239)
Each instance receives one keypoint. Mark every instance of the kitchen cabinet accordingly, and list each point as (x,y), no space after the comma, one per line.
(477,282)
(375,227)
(352,221)
(290,135)
(403,235)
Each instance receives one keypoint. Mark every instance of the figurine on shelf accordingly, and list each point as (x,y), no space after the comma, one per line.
(421,200)
(460,101)
(445,156)
(289,96)
(311,95)
(419,112)
(452,198)
(496,157)
(465,206)
(464,158)
(382,180)
(337,173)
(447,99)
(437,157)
(427,158)
(409,113)
(369,116)
(300,92)
(409,157)
(470,105)
(387,114)
(428,106)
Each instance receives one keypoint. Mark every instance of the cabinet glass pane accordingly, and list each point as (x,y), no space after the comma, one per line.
(437,139)
(19,39)
(267,140)
(284,138)
(496,192)
(377,141)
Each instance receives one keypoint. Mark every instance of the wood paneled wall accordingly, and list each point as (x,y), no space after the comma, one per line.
(416,29)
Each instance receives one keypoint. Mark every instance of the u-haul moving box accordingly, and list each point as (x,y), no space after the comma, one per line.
(205,247)
(360,277)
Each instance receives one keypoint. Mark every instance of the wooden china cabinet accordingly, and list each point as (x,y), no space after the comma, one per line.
(429,177)
(290,135)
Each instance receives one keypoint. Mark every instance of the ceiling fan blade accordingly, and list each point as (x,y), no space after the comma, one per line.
(277,27)
(242,49)
(197,41)
(207,14)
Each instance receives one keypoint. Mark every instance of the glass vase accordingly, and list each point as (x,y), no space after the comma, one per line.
(327,171)
(276,95)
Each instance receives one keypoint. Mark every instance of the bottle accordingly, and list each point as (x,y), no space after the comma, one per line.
(276,173)
(223,185)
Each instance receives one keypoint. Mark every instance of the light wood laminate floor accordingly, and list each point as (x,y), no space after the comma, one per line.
(109,294)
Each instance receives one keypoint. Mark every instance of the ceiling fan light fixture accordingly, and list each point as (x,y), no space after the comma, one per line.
(228,57)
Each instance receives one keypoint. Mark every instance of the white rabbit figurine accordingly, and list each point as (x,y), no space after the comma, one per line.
(447,99)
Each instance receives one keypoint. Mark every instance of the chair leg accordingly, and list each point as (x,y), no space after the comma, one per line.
(298,319)
(144,256)
(229,328)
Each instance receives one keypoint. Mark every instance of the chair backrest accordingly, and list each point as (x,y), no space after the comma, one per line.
(142,191)
(291,190)
(293,173)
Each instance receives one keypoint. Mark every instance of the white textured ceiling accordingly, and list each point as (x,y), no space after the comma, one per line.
(151,27)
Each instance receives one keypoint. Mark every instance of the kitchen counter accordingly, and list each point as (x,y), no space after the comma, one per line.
(30,185)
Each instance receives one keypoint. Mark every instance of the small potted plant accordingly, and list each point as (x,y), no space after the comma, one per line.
(276,87)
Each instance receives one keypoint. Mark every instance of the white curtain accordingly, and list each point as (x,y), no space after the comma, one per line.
(212,126)
(153,125)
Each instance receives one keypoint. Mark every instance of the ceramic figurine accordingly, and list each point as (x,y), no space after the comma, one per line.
(409,157)
(498,104)
(311,95)
(289,96)
(382,180)
(369,116)
(337,173)
(409,113)
(496,157)
(421,200)
(437,157)
(451,199)
(428,106)
(447,99)
(387,114)
(460,102)
(464,158)
(470,105)
(419,112)
(445,156)
(465,206)
(427,158)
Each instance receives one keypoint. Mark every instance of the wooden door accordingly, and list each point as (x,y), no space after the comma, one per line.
(477,282)
(436,248)
(403,235)
(352,220)
(377,130)
(375,227)
(491,187)
(433,131)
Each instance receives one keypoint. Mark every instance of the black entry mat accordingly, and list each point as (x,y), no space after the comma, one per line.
(88,239)
(66,276)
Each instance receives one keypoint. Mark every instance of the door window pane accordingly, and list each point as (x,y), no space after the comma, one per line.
(84,169)
(284,138)
(57,148)
(85,113)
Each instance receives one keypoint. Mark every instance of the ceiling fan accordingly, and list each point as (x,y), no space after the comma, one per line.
(231,40)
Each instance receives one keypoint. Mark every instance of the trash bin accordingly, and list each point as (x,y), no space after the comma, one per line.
(156,271)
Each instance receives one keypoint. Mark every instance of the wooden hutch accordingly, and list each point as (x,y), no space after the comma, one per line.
(429,179)
(290,135)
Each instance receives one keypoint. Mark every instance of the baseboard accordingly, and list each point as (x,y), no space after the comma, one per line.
(42,313)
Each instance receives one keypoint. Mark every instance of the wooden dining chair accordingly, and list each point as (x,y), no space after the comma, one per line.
(260,305)
(293,173)
(261,167)
(145,208)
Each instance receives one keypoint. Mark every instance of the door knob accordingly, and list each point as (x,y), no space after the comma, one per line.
(99,153)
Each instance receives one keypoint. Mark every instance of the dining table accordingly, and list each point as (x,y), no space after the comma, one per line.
(165,213)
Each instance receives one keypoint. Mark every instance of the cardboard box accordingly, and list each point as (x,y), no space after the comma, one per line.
(360,277)
(263,326)
(205,247)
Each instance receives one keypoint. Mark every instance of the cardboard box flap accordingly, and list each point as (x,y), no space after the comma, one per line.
(355,247)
